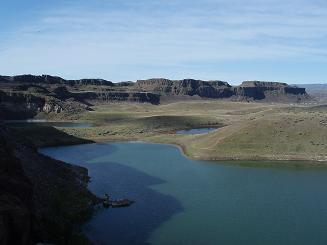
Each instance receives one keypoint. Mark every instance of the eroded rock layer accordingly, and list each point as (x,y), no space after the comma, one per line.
(249,90)
(27,95)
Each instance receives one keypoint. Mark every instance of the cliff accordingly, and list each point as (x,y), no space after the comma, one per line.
(89,91)
(47,79)
(191,87)
(40,198)
(112,96)
(248,90)
(18,105)
(270,91)
(25,96)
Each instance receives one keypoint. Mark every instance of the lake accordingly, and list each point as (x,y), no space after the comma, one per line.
(183,201)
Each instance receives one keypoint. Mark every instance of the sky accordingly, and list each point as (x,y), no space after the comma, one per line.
(121,40)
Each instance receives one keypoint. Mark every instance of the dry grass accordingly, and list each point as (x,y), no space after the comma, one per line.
(250,130)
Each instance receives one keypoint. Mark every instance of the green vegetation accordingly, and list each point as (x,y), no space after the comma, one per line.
(248,131)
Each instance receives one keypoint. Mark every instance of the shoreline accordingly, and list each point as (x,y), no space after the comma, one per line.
(264,162)
(182,150)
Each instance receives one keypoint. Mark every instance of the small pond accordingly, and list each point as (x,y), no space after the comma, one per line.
(196,131)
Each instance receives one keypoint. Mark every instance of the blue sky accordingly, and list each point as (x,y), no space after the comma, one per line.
(231,40)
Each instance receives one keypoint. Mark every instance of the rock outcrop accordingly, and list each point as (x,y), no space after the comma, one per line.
(149,91)
(191,87)
(25,96)
(248,90)
(111,96)
(17,105)
(47,79)
(40,198)
(269,91)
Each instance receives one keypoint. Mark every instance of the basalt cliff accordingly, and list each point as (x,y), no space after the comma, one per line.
(25,96)
(41,199)
(248,90)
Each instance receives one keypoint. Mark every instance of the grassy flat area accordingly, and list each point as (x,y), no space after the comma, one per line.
(277,133)
(247,131)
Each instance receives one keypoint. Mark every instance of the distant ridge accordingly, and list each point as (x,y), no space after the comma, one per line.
(248,90)
(318,91)
(47,79)
(156,87)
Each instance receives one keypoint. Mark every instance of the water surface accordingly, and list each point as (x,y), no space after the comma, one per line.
(182,201)
(196,131)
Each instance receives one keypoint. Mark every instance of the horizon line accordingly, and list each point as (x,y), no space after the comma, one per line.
(134,81)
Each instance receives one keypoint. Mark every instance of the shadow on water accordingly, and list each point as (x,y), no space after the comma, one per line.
(132,225)
(181,201)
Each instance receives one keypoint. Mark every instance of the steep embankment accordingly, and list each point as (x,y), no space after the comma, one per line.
(40,198)
(22,105)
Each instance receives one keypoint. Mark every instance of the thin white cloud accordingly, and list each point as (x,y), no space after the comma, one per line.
(123,34)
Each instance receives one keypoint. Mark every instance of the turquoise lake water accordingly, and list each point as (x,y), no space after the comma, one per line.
(182,201)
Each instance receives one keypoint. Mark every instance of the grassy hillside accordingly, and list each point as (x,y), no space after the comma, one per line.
(246,131)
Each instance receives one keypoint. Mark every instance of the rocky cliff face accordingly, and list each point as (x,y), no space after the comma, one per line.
(25,96)
(22,105)
(47,79)
(209,89)
(270,91)
(16,203)
(17,105)
(40,198)
(111,96)
(249,90)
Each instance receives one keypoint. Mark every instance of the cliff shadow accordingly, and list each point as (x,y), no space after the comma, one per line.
(135,224)
(131,225)
(43,136)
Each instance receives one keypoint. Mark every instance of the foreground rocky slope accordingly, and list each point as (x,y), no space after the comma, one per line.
(40,198)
